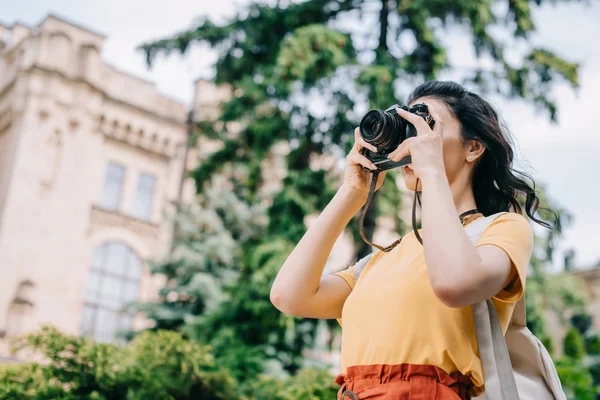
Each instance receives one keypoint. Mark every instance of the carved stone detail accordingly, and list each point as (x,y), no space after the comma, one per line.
(100,217)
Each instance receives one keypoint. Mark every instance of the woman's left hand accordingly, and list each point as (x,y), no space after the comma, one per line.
(425,149)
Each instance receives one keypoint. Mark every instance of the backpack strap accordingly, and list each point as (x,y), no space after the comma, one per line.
(361,264)
(498,373)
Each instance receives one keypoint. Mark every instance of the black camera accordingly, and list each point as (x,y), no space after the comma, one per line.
(386,130)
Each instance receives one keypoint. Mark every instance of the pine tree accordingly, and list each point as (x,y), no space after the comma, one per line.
(302,71)
(207,248)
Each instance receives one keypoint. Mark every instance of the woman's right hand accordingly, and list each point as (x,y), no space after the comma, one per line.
(355,177)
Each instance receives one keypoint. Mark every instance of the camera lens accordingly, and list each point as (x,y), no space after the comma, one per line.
(381,129)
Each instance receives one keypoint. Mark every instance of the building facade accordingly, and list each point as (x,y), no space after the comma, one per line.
(91,159)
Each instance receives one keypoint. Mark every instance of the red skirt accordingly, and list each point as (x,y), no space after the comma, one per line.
(402,382)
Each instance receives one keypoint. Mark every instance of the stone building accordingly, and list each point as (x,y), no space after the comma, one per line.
(91,158)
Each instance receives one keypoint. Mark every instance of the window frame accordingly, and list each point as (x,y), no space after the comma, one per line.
(139,215)
(119,199)
(93,302)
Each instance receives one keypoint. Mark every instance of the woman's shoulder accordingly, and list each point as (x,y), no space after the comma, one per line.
(512,220)
(510,226)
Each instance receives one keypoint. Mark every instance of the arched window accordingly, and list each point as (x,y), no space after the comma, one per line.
(111,285)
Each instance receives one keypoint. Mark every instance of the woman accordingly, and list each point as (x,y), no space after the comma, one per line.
(407,325)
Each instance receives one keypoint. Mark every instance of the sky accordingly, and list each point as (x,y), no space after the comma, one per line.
(563,157)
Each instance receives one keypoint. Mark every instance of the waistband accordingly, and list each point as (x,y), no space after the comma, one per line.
(409,381)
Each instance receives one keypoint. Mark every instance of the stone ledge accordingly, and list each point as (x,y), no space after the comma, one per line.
(101,217)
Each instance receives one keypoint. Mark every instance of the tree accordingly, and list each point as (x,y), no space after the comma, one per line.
(574,345)
(578,371)
(302,74)
(206,253)
(561,293)
(281,58)
(218,278)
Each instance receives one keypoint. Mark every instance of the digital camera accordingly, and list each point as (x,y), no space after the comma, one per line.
(386,130)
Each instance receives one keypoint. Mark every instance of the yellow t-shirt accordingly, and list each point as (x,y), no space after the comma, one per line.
(393,316)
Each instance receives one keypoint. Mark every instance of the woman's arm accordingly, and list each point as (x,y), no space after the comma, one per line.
(298,288)
(459,273)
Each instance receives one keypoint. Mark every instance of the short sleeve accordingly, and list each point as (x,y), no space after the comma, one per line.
(347,275)
(511,232)
(351,274)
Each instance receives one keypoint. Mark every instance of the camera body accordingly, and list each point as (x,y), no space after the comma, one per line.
(386,130)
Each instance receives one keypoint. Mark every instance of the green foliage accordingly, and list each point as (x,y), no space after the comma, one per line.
(574,346)
(592,344)
(548,343)
(309,384)
(377,81)
(576,380)
(205,257)
(308,192)
(582,322)
(579,373)
(313,52)
(595,372)
(159,365)
(155,365)
(564,294)
(249,318)
(219,276)
(560,293)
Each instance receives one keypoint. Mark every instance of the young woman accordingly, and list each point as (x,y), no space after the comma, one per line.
(407,325)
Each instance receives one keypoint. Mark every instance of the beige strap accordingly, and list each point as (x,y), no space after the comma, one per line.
(483,330)
(498,373)
(499,378)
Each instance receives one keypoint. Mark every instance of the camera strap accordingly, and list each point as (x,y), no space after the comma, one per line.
(364,213)
(417,199)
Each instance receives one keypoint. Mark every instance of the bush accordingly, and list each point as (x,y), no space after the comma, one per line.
(155,365)
(160,365)
(574,346)
(592,344)
(595,372)
(576,380)
(582,322)
(307,384)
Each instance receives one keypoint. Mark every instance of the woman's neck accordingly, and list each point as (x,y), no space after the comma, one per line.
(464,200)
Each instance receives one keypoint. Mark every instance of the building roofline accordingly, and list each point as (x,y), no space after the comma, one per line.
(70,22)
(16,23)
(107,96)
(129,74)
(148,81)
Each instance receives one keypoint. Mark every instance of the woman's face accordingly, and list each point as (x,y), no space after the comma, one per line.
(454,152)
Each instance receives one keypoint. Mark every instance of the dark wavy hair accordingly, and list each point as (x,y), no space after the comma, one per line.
(496,184)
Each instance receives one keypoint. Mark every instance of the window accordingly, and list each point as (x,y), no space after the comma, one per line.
(113,186)
(112,284)
(142,207)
